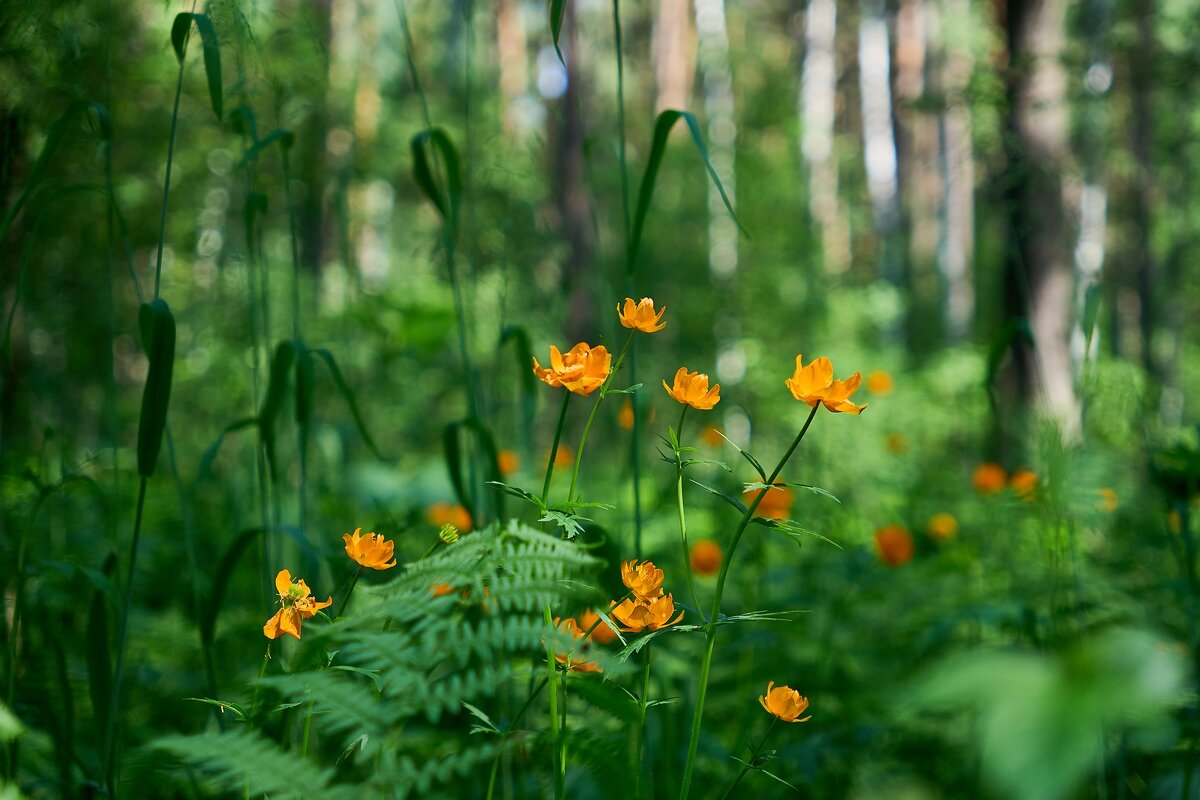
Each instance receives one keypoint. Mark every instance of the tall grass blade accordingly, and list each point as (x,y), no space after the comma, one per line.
(423,171)
(281,367)
(211,452)
(344,388)
(524,354)
(158,338)
(99,655)
(662,129)
(212,52)
(285,138)
(557,8)
(304,394)
(454,464)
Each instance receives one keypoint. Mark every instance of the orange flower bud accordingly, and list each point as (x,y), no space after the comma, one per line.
(644,580)
(989,478)
(942,526)
(895,545)
(705,557)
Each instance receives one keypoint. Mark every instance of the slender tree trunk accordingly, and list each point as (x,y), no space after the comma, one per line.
(956,247)
(1141,120)
(1039,276)
(673,50)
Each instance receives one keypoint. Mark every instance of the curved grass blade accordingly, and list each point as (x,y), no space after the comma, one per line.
(662,129)
(340,381)
(158,337)
(423,171)
(524,353)
(304,393)
(557,7)
(281,366)
(454,464)
(285,138)
(99,656)
(210,453)
(243,120)
(212,52)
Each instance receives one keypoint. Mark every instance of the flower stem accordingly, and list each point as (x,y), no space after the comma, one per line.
(350,590)
(710,631)
(641,733)
(682,517)
(307,728)
(753,758)
(555,730)
(592,416)
(562,417)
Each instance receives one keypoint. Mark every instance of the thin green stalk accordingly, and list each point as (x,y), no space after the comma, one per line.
(110,748)
(162,225)
(592,416)
(635,459)
(512,726)
(13,636)
(753,758)
(307,728)
(262,670)
(558,429)
(555,730)
(710,630)
(641,732)
(682,516)
(350,589)
(562,731)
(616,17)
(302,429)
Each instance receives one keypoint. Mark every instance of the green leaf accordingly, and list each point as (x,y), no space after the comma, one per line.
(557,7)
(158,338)
(304,394)
(524,355)
(99,660)
(570,523)
(757,485)
(285,138)
(1015,328)
(281,367)
(733,501)
(243,121)
(212,51)
(487,727)
(1091,309)
(792,530)
(662,130)
(645,639)
(224,705)
(424,171)
(344,388)
(210,453)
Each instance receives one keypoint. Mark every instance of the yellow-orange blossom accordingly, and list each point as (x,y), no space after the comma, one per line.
(814,384)
(298,605)
(784,702)
(582,369)
(640,316)
(371,551)
(691,388)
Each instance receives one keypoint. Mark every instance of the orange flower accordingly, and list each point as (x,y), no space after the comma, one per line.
(815,384)
(372,550)
(582,369)
(711,434)
(441,589)
(691,388)
(625,417)
(895,545)
(564,457)
(508,462)
(942,526)
(1108,499)
(641,316)
(879,382)
(449,514)
(776,503)
(639,613)
(1023,484)
(601,634)
(644,580)
(572,629)
(784,702)
(297,605)
(989,478)
(705,557)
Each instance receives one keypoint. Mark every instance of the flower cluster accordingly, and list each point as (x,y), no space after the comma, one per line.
(568,661)
(648,608)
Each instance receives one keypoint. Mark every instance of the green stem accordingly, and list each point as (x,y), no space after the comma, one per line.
(13,637)
(558,429)
(635,460)
(350,590)
(682,516)
(110,748)
(162,224)
(753,758)
(641,733)
(262,670)
(710,631)
(592,416)
(307,728)
(555,730)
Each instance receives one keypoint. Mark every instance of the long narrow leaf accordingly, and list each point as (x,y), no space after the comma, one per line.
(158,338)
(281,367)
(344,388)
(212,52)
(557,7)
(423,171)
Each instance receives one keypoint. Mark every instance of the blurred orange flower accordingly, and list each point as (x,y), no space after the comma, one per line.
(625,417)
(297,605)
(989,478)
(582,369)
(449,514)
(776,503)
(1023,483)
(638,613)
(705,557)
(371,551)
(879,382)
(441,589)
(644,579)
(601,634)
(508,462)
(570,627)
(1108,499)
(942,526)
(896,443)
(784,702)
(895,545)
(640,316)
(691,388)
(815,384)
(711,434)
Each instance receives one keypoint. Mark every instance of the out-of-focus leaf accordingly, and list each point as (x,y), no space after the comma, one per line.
(158,339)
(212,52)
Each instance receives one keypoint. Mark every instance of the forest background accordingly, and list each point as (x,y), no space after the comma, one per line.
(367,217)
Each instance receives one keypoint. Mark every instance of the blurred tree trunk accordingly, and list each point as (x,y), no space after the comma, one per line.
(1142,186)
(1039,276)
(511,43)
(571,192)
(879,137)
(957,160)
(673,51)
